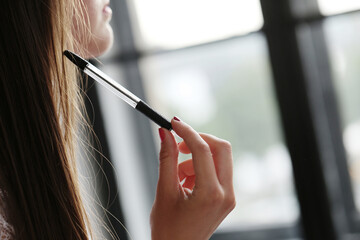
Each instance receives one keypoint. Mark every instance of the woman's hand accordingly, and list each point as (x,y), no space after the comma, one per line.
(194,209)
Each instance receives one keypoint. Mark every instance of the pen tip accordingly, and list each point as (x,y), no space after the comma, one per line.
(76,59)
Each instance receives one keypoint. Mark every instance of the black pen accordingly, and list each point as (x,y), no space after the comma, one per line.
(117,89)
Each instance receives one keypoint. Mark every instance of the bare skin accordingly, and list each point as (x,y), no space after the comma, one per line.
(195,209)
(99,37)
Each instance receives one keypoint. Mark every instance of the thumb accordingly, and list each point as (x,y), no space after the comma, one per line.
(168,178)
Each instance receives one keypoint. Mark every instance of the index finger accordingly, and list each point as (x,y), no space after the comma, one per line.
(202,158)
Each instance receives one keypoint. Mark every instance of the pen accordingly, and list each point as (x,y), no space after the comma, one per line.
(117,89)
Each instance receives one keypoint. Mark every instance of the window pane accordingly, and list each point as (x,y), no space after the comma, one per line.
(225,89)
(329,7)
(344,46)
(167,24)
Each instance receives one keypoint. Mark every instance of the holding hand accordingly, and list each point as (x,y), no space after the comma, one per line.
(195,209)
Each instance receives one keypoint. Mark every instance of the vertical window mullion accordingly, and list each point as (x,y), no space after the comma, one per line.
(297,118)
(329,133)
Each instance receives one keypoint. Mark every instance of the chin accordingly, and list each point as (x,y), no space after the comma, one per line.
(99,45)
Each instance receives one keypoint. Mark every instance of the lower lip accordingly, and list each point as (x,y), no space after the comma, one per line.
(107,11)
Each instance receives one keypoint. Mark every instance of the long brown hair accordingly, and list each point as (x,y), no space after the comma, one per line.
(39,100)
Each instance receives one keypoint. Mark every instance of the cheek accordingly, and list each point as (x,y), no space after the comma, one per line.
(100,37)
(101,41)
(92,13)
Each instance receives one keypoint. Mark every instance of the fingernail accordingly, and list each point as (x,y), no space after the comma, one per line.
(161,134)
(176,119)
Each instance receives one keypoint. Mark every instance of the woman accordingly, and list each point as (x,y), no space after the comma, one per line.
(40,109)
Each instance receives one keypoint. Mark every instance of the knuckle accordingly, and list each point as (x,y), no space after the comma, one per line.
(230,202)
(215,196)
(226,145)
(164,154)
(203,147)
(187,132)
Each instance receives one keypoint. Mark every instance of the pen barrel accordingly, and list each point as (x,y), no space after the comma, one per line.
(150,113)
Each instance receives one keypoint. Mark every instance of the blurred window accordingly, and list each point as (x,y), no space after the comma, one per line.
(208,63)
(225,89)
(330,7)
(167,24)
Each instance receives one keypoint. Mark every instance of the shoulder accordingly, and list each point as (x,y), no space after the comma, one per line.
(6,230)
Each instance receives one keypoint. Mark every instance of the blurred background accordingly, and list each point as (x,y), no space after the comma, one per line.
(279,79)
